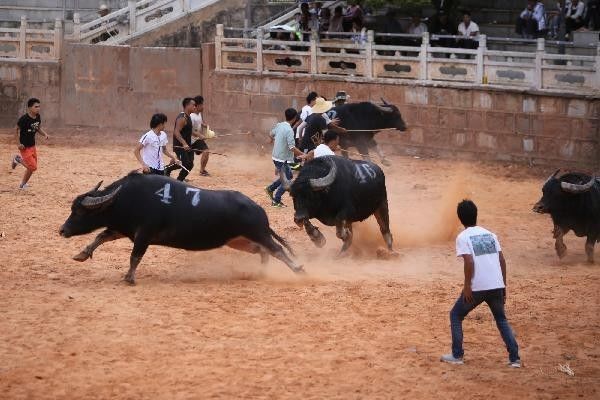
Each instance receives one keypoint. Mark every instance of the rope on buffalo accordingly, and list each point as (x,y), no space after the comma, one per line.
(371,130)
(202,151)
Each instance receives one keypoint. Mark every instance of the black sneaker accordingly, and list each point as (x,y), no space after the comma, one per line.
(277,204)
(269,193)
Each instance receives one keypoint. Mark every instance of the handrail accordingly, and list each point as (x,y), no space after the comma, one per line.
(415,59)
(25,43)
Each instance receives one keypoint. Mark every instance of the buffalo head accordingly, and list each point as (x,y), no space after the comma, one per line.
(307,189)
(391,115)
(87,212)
(557,190)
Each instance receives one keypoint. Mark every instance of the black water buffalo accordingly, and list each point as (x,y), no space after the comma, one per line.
(573,202)
(154,209)
(338,192)
(363,121)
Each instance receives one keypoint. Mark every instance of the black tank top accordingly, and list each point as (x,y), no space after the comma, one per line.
(186,131)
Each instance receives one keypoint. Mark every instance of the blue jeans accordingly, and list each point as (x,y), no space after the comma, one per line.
(276,185)
(495,301)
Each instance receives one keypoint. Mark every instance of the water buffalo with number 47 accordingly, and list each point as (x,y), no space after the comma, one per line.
(338,191)
(158,210)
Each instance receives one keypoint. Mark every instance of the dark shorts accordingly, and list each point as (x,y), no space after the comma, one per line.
(154,171)
(199,146)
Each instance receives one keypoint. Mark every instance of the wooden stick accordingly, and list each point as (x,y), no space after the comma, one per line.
(203,151)
(370,130)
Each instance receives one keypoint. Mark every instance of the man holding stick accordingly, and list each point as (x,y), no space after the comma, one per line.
(151,145)
(182,138)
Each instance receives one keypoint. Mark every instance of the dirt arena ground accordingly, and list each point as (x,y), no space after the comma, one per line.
(210,325)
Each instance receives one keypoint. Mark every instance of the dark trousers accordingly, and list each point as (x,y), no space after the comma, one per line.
(154,171)
(495,300)
(276,185)
(187,160)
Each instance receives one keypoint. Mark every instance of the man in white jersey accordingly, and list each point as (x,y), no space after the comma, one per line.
(327,148)
(198,127)
(485,281)
(151,146)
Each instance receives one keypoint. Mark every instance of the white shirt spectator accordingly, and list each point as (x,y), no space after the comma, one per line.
(575,12)
(483,245)
(323,150)
(306,111)
(469,30)
(152,149)
(539,14)
(196,121)
(417,29)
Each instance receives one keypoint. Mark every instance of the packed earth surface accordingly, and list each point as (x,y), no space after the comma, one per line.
(217,324)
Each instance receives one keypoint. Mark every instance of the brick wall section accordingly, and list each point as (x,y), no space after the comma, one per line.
(21,80)
(453,122)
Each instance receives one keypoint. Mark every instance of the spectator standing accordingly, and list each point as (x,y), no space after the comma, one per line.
(27,127)
(353,11)
(340,98)
(485,281)
(360,32)
(336,23)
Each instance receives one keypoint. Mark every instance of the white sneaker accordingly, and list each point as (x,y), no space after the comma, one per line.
(450,359)
(514,364)
(23,186)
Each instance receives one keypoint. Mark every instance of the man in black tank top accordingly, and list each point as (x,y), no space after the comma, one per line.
(182,139)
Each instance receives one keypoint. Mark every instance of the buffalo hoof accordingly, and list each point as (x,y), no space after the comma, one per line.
(386,162)
(561,251)
(300,270)
(129,279)
(82,256)
(385,254)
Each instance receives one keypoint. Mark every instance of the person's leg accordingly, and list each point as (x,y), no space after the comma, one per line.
(280,190)
(203,162)
(173,167)
(277,182)
(457,314)
(29,156)
(495,300)
(187,160)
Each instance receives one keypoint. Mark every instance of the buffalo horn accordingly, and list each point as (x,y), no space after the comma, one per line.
(573,188)
(285,182)
(552,176)
(96,202)
(327,180)
(96,187)
(384,109)
(384,102)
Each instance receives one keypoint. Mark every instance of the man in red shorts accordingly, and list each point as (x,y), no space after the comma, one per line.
(27,126)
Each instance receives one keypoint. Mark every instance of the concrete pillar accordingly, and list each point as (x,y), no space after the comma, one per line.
(423,75)
(76,27)
(539,60)
(58,37)
(597,65)
(218,41)
(259,50)
(313,52)
(23,38)
(369,54)
(481,60)
(132,6)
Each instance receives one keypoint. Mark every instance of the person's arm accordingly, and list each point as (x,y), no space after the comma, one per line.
(579,11)
(19,144)
(476,29)
(338,129)
(168,153)
(177,133)
(138,154)
(503,268)
(43,132)
(292,145)
(469,267)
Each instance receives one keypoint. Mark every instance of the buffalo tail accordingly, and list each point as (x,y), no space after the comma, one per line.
(282,241)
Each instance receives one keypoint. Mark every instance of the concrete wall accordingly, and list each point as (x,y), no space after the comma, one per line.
(21,80)
(121,87)
(453,122)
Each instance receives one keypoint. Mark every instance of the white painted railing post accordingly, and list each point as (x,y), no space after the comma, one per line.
(132,5)
(218,45)
(481,59)
(58,37)
(539,61)
(185,5)
(23,38)
(259,50)
(76,27)
(313,52)
(423,73)
(597,66)
(369,54)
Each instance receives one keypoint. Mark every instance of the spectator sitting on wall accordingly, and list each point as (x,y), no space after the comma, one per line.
(337,20)
(441,25)
(324,18)
(574,14)
(469,30)
(532,21)
(360,32)
(416,27)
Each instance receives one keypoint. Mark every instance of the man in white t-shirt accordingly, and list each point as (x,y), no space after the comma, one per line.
(151,146)
(469,30)
(485,281)
(329,145)
(198,127)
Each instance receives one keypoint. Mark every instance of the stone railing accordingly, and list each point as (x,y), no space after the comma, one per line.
(416,60)
(24,43)
(137,18)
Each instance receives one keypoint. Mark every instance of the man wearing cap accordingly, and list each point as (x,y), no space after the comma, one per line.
(316,124)
(340,98)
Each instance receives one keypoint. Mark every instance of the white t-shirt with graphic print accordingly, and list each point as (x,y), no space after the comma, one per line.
(152,149)
(484,246)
